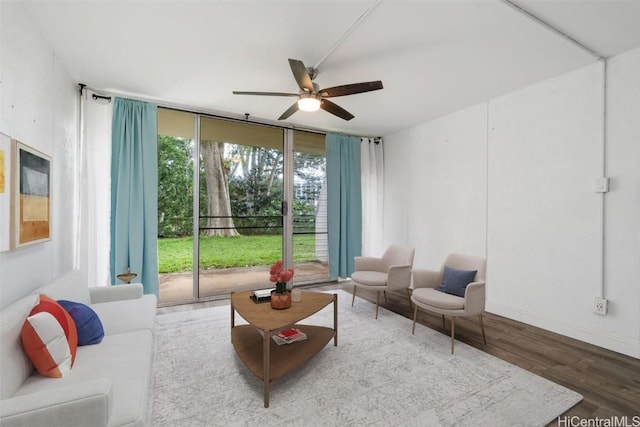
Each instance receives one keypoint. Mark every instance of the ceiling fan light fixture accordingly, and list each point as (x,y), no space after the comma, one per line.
(309,103)
(311,97)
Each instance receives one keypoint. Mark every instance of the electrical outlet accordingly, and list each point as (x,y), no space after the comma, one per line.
(600,306)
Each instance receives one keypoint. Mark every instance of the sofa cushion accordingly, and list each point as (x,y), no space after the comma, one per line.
(455,281)
(88,324)
(46,345)
(65,320)
(127,315)
(15,366)
(372,278)
(434,298)
(126,359)
(87,404)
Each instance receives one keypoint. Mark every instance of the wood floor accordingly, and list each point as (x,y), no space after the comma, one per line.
(609,381)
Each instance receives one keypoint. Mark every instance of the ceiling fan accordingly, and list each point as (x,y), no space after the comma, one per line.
(311,98)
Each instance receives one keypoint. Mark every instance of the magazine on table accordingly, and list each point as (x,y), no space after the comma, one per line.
(289,336)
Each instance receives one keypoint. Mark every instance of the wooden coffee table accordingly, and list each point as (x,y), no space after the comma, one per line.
(260,353)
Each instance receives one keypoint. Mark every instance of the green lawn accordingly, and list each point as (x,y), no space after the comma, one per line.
(176,254)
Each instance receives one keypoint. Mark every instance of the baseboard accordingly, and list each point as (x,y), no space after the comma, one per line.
(611,342)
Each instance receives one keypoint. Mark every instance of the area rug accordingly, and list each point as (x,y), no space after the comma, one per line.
(378,375)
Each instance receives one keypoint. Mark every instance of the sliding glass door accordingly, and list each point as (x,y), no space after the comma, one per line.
(176,163)
(309,234)
(241,221)
(234,197)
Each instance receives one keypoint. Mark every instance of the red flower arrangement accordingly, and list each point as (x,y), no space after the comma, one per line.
(280,276)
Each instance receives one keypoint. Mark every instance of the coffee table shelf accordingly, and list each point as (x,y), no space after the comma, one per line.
(284,358)
(253,344)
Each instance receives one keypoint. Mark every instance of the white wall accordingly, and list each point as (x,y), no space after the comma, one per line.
(513,179)
(38,106)
(437,174)
(395,215)
(545,153)
(622,223)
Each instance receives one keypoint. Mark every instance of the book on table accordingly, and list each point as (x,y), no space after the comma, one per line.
(289,336)
(261,295)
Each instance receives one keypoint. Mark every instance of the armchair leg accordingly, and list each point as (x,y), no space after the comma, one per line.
(484,338)
(453,331)
(385,296)
(377,303)
(409,296)
(354,295)
(415,317)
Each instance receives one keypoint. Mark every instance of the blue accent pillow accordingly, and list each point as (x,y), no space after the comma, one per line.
(454,281)
(88,324)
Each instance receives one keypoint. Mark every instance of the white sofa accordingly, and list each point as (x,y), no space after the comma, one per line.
(110,382)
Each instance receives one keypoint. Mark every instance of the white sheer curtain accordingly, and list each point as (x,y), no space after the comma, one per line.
(95,189)
(372,195)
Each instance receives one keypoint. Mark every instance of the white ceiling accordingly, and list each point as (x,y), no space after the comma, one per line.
(433,56)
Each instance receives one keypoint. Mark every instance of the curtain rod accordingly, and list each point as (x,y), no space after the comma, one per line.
(94,95)
(209,113)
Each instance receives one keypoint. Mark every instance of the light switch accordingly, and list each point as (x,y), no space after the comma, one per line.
(602,185)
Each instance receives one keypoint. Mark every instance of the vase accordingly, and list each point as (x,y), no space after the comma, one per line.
(280,301)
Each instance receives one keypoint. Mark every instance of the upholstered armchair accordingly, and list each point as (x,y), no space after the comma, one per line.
(391,272)
(457,289)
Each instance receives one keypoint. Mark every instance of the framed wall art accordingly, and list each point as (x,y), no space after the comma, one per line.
(5,192)
(31,197)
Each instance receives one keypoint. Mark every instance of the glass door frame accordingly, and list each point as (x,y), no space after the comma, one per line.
(287,200)
(196,208)
(287,196)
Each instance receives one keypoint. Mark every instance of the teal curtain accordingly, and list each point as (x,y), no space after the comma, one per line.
(134,192)
(344,203)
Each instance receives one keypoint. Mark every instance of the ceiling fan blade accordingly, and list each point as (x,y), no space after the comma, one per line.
(351,89)
(335,109)
(301,74)
(238,92)
(289,111)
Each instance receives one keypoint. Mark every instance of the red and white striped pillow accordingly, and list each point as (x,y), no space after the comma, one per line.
(50,338)
(46,345)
